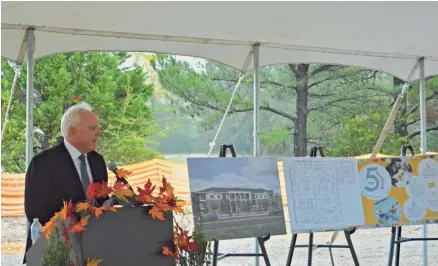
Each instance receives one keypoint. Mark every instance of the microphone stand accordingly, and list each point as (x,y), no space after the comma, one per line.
(131,200)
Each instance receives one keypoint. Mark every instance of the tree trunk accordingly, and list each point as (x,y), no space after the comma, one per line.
(300,129)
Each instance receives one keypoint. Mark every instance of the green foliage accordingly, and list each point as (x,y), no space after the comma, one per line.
(201,256)
(56,253)
(276,141)
(335,95)
(118,95)
(332,90)
(363,132)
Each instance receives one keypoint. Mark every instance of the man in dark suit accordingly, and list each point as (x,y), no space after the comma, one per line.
(64,171)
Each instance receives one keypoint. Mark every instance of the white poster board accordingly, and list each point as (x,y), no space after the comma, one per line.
(322,193)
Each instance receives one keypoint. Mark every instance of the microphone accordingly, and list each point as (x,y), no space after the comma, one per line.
(113,168)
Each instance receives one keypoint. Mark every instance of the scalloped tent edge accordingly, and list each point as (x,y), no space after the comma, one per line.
(394,37)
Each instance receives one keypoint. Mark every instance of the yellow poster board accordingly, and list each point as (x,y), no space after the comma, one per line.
(399,190)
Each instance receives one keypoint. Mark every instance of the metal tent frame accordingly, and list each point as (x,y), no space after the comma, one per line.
(280,49)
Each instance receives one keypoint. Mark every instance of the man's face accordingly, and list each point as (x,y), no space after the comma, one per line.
(84,136)
(397,165)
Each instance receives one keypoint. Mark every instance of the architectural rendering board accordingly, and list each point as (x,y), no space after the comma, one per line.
(323,193)
(236,197)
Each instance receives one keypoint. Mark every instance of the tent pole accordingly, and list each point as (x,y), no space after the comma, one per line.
(423,140)
(423,108)
(256,122)
(29,95)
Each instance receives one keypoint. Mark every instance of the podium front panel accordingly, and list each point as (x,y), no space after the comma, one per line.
(128,237)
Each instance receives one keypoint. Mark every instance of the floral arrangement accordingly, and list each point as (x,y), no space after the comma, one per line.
(161,201)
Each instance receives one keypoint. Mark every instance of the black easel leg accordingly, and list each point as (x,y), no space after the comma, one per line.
(309,259)
(350,245)
(391,246)
(397,247)
(291,249)
(215,252)
(331,257)
(263,250)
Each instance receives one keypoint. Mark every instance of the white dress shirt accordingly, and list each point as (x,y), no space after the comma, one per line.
(74,153)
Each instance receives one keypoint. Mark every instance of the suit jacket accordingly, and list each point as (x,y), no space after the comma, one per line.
(51,178)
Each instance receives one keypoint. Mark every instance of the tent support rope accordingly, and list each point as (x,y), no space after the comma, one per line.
(241,76)
(17,71)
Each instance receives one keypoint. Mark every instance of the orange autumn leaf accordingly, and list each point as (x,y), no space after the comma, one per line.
(145,199)
(173,203)
(156,212)
(97,212)
(121,192)
(182,240)
(167,252)
(109,209)
(66,211)
(162,204)
(169,190)
(80,226)
(123,173)
(179,206)
(98,190)
(94,262)
(82,206)
(48,227)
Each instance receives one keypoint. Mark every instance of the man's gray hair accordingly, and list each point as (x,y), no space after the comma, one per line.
(71,117)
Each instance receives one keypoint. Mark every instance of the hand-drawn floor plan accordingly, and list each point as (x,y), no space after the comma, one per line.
(323,192)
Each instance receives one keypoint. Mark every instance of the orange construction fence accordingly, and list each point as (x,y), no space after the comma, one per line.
(177,174)
(12,203)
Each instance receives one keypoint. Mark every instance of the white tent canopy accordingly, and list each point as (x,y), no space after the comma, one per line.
(386,36)
(392,37)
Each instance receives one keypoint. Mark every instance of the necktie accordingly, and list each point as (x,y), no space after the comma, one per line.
(84,174)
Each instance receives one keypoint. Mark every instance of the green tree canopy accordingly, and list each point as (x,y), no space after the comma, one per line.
(301,104)
(119,95)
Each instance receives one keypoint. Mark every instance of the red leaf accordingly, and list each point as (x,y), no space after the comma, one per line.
(164,187)
(193,245)
(98,190)
(145,195)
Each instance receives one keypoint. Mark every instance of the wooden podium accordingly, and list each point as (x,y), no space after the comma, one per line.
(128,237)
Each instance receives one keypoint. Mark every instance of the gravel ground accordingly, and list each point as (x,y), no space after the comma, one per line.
(371,246)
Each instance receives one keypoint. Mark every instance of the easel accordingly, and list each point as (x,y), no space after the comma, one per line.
(396,231)
(311,246)
(218,256)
